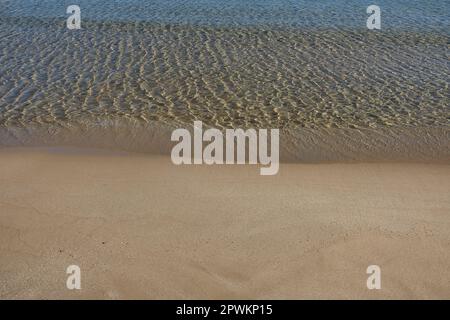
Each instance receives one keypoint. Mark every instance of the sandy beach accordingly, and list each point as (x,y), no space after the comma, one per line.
(140,227)
(99,99)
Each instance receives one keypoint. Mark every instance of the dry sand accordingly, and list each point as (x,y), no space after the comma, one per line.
(140,227)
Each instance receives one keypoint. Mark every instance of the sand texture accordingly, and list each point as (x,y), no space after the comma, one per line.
(140,227)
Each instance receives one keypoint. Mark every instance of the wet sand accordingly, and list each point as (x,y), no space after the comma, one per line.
(140,227)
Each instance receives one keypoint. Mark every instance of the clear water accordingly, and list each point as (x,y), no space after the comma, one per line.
(406,14)
(139,66)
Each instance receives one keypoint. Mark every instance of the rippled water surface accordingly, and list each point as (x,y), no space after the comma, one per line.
(257,63)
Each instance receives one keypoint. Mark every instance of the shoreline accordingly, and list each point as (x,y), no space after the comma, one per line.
(230,150)
(297,145)
(140,227)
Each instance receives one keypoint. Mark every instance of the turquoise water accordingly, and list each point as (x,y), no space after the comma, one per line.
(139,66)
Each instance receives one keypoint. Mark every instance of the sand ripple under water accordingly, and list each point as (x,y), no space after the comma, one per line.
(345,90)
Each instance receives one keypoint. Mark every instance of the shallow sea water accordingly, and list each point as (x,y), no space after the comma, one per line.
(310,68)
